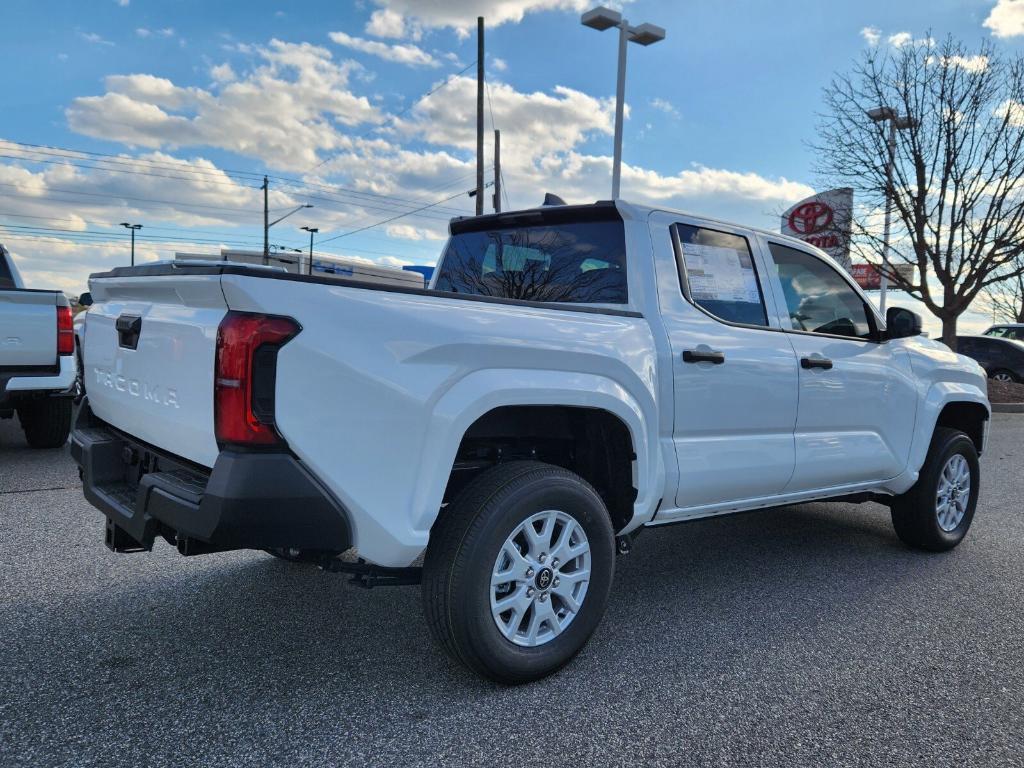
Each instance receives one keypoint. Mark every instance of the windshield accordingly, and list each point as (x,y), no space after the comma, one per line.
(572,262)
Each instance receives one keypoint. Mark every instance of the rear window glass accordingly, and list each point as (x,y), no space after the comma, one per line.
(583,263)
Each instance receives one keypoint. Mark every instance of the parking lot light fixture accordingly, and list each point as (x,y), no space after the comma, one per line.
(896,122)
(312,231)
(133,228)
(602,18)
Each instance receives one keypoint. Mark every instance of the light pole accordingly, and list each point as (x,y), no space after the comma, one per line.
(312,231)
(896,122)
(132,227)
(602,18)
(266,228)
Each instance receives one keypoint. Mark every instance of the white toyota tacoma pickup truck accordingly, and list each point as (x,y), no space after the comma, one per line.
(37,362)
(573,375)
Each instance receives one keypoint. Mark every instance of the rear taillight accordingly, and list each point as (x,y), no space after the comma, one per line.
(65,332)
(245,377)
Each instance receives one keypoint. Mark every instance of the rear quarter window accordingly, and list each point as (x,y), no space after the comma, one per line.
(580,263)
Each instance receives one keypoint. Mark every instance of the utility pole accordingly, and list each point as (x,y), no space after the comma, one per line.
(497,171)
(266,224)
(479,115)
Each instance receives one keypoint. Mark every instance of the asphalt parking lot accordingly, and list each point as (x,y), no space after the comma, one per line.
(803,636)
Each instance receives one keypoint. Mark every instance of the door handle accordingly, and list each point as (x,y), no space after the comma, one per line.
(816,362)
(703,356)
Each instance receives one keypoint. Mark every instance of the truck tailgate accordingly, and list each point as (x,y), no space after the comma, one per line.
(28,328)
(150,349)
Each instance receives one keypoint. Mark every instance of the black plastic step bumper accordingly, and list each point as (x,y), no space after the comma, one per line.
(247,501)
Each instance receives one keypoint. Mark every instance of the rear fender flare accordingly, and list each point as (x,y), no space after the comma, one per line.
(476,394)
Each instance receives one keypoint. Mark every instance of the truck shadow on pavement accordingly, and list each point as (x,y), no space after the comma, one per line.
(702,587)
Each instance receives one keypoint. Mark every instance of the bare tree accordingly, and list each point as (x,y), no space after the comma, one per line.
(1006,298)
(957,184)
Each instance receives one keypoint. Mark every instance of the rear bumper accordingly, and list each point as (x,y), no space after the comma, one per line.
(247,501)
(58,380)
(55,380)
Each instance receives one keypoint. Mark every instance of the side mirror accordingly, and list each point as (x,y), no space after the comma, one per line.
(85,300)
(901,323)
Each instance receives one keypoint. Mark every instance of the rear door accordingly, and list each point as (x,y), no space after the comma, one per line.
(150,349)
(734,372)
(28,328)
(858,395)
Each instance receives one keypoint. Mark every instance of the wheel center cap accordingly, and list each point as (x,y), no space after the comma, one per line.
(544,578)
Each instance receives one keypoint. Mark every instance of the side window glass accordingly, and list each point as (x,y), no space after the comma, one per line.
(719,271)
(818,299)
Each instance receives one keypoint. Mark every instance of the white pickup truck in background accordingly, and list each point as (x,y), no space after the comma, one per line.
(573,375)
(37,362)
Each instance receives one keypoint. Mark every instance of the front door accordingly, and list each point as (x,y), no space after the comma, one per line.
(734,372)
(858,397)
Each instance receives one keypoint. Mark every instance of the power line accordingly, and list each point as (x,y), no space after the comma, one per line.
(387,221)
(63,156)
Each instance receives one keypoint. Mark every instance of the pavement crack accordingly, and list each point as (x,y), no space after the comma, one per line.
(37,490)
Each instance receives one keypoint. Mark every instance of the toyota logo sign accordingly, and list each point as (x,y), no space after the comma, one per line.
(811,217)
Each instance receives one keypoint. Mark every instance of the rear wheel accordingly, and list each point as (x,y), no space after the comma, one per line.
(937,512)
(518,571)
(1004,376)
(46,421)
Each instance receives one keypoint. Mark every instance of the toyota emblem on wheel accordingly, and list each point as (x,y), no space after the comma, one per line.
(811,217)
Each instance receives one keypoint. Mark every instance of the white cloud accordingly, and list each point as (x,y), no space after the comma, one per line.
(408,232)
(166,32)
(223,73)
(1006,18)
(401,53)
(123,3)
(500,65)
(973,64)
(94,38)
(461,15)
(143,32)
(871,35)
(284,111)
(388,23)
(663,105)
(544,122)
(899,39)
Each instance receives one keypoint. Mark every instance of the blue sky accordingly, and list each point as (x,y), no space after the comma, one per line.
(721,113)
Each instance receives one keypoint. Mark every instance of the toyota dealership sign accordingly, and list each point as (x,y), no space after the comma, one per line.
(823,220)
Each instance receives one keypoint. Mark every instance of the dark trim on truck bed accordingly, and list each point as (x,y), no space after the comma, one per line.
(247,501)
(166,269)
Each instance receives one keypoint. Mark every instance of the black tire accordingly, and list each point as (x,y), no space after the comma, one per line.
(914,514)
(46,421)
(1007,375)
(464,545)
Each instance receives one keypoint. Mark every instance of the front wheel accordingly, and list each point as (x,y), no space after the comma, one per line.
(1004,376)
(518,571)
(936,513)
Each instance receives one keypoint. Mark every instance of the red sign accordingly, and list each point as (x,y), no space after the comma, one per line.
(867,276)
(810,218)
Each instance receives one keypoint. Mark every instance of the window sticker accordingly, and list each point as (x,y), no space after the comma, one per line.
(717,273)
